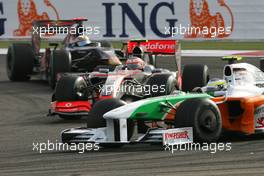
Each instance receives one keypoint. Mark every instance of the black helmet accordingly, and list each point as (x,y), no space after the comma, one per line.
(138,52)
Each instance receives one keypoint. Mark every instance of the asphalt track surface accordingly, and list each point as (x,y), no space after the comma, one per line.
(23,121)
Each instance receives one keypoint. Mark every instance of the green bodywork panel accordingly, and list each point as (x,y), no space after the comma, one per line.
(153,110)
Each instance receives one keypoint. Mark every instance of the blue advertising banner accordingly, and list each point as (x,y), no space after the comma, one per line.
(124,19)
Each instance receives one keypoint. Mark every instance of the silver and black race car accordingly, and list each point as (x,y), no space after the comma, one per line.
(75,94)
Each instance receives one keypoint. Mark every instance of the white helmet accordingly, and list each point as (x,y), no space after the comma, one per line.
(82,40)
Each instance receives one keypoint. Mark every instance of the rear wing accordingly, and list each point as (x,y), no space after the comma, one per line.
(155,47)
(231,59)
(50,28)
(159,47)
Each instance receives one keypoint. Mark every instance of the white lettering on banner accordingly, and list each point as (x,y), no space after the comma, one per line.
(116,19)
(2,20)
(158,46)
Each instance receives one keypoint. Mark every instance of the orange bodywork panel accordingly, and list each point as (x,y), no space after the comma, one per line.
(245,122)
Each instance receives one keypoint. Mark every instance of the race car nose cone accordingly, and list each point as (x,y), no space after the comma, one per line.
(124,112)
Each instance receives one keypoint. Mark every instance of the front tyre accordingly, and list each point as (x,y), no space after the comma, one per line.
(68,86)
(95,119)
(203,116)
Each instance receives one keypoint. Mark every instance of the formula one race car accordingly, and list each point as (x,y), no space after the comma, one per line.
(76,94)
(240,108)
(77,54)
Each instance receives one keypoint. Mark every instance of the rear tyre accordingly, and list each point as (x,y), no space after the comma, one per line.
(194,75)
(165,82)
(20,62)
(95,119)
(203,116)
(261,64)
(60,63)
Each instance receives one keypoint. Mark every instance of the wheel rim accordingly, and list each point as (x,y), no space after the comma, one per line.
(208,121)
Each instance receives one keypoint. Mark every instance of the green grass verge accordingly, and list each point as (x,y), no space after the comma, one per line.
(222,45)
(189,45)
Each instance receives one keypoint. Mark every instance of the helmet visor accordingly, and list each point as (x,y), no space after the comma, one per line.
(134,66)
(83,43)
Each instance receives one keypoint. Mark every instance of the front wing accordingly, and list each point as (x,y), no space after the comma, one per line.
(107,135)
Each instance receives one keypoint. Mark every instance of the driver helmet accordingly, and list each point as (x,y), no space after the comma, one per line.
(81,41)
(135,63)
(217,84)
(138,52)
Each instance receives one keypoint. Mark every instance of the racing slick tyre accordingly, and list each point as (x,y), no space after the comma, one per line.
(261,64)
(164,82)
(20,61)
(203,116)
(60,62)
(194,75)
(71,88)
(95,119)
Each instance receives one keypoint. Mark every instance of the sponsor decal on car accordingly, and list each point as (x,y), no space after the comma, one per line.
(178,136)
(68,104)
(259,117)
(155,46)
